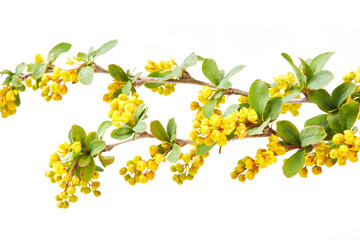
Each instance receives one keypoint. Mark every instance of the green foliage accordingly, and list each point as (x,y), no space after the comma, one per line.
(294,164)
(347,115)
(272,108)
(211,71)
(318,63)
(174,155)
(103,127)
(312,134)
(38,70)
(171,129)
(209,107)
(87,172)
(321,120)
(191,60)
(158,131)
(320,80)
(298,73)
(342,92)
(334,121)
(259,129)
(232,108)
(96,147)
(85,160)
(20,68)
(203,149)
(118,73)
(140,127)
(258,97)
(86,75)
(322,99)
(122,133)
(90,138)
(106,47)
(56,51)
(77,134)
(288,132)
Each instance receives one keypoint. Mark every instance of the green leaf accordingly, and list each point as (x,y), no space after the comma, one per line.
(294,164)
(312,134)
(318,63)
(17,100)
(288,132)
(118,73)
(174,155)
(259,129)
(77,134)
(290,96)
(86,75)
(320,80)
(211,71)
(56,51)
(16,81)
(171,129)
(273,108)
(334,121)
(135,77)
(203,149)
(225,84)
(103,127)
(68,157)
(99,169)
(321,120)
(230,109)
(219,94)
(20,68)
(209,107)
(189,61)
(140,112)
(297,71)
(127,88)
(96,147)
(140,127)
(309,72)
(348,113)
(106,160)
(322,99)
(177,72)
(234,71)
(106,47)
(86,173)
(84,161)
(342,92)
(122,133)
(8,80)
(258,97)
(158,131)
(90,138)
(39,70)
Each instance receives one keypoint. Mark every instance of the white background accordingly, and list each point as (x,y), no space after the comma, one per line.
(213,205)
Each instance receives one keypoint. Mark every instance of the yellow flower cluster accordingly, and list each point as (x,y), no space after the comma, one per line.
(53,86)
(329,156)
(141,171)
(349,147)
(352,76)
(216,128)
(123,108)
(188,169)
(64,175)
(281,90)
(7,101)
(163,67)
(317,159)
(248,167)
(115,85)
